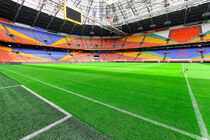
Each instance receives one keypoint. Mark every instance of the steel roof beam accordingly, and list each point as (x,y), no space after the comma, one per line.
(52,18)
(120,7)
(18,11)
(72,28)
(39,12)
(62,26)
(159,12)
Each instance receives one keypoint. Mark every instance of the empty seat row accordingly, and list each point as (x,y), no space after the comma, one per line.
(12,33)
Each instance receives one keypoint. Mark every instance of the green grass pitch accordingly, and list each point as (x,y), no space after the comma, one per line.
(156,91)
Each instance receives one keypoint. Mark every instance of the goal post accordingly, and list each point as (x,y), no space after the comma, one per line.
(179,60)
(205,60)
(150,60)
(120,60)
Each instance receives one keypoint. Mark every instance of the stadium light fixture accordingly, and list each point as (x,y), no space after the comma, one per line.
(140,28)
(206,14)
(167,22)
(109,2)
(153,25)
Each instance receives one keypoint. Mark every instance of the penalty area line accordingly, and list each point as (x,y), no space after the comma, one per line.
(9,87)
(115,108)
(45,100)
(68,115)
(45,128)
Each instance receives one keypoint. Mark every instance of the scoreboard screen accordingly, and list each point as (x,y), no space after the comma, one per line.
(72,15)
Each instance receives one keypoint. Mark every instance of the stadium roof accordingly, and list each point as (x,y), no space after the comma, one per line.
(123,11)
(129,16)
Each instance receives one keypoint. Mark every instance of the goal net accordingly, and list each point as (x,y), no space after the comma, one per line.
(179,60)
(205,60)
(150,60)
(120,60)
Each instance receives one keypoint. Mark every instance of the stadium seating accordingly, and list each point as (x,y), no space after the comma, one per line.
(57,55)
(157,55)
(120,42)
(7,55)
(72,41)
(43,37)
(28,55)
(133,42)
(12,33)
(206,52)
(83,57)
(4,34)
(109,44)
(80,43)
(36,52)
(189,53)
(87,43)
(22,35)
(55,37)
(185,34)
(69,58)
(77,57)
(206,31)
(109,56)
(152,40)
(96,43)
(129,56)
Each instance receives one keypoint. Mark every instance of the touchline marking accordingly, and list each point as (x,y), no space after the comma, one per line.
(10,87)
(68,115)
(45,128)
(199,118)
(115,108)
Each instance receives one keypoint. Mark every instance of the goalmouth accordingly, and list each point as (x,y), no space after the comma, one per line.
(120,60)
(206,60)
(150,60)
(179,60)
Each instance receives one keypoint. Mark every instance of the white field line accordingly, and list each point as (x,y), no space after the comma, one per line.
(115,108)
(68,115)
(9,87)
(199,118)
(45,128)
(45,100)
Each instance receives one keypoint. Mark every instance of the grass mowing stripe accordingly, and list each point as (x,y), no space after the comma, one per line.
(115,108)
(9,87)
(45,128)
(199,118)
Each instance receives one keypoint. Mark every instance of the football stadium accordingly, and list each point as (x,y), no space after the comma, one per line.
(105,69)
